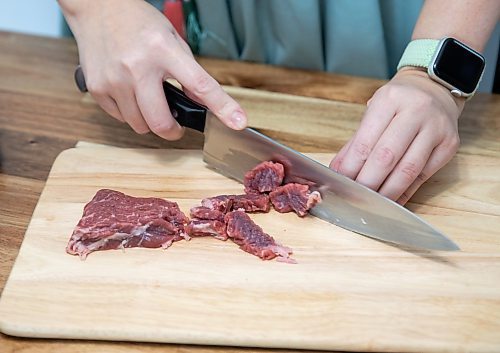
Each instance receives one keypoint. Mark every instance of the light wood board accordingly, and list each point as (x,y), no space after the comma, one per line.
(347,292)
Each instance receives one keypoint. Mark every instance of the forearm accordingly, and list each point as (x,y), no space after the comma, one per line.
(470,21)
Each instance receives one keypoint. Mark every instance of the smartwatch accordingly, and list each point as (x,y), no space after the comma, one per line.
(448,61)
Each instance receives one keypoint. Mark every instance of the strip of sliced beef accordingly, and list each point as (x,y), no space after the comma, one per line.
(207,227)
(294,197)
(247,202)
(252,239)
(202,212)
(265,177)
(113,220)
(251,203)
(221,203)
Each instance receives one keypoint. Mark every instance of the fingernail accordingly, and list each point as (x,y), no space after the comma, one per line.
(238,120)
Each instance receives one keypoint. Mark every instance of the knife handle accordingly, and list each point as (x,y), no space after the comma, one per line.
(187,112)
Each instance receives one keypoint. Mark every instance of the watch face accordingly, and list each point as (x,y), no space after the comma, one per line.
(459,65)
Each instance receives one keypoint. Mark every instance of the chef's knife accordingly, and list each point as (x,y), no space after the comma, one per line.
(345,203)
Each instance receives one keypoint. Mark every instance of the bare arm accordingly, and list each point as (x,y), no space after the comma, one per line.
(469,21)
(410,128)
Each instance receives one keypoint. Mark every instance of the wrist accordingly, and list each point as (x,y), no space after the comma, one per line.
(421,74)
(447,61)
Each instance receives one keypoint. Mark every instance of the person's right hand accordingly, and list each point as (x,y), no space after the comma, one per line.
(127,49)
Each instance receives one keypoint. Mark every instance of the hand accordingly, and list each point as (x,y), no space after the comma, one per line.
(127,49)
(408,132)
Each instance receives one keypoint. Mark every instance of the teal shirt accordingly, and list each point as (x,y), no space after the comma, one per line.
(362,37)
(354,37)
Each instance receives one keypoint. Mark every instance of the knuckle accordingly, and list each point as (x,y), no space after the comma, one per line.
(96,88)
(226,107)
(166,130)
(423,100)
(130,62)
(451,144)
(403,198)
(385,156)
(391,92)
(203,84)
(156,41)
(455,143)
(422,177)
(410,172)
(362,151)
(160,128)
(141,130)
(116,81)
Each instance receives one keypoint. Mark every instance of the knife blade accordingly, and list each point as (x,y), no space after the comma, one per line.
(346,203)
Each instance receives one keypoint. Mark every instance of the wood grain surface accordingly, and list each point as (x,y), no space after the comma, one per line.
(42,113)
(343,294)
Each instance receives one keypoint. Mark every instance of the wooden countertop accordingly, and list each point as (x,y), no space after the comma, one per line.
(42,113)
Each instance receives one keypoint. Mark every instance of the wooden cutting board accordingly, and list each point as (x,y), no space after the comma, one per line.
(347,292)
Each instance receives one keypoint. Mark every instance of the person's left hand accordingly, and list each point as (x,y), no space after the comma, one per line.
(408,132)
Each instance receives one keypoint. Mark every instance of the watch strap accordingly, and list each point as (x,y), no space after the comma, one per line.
(419,53)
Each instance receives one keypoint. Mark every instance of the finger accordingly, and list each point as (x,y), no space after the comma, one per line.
(376,119)
(127,104)
(207,91)
(441,155)
(409,168)
(183,45)
(154,108)
(337,160)
(109,106)
(387,152)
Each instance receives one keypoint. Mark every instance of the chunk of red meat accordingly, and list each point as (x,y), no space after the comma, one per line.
(207,227)
(252,239)
(265,177)
(294,197)
(113,220)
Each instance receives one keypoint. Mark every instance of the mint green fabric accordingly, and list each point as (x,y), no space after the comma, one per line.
(362,37)
(419,53)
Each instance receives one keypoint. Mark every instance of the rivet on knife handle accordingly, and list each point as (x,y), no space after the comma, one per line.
(187,112)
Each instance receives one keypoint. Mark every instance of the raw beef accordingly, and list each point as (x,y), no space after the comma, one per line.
(251,203)
(113,220)
(207,227)
(206,222)
(202,212)
(252,239)
(247,202)
(294,197)
(265,177)
(221,203)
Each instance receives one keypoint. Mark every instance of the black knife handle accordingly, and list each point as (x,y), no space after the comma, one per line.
(187,112)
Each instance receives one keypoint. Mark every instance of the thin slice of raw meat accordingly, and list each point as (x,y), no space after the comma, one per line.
(294,197)
(251,203)
(113,220)
(265,177)
(226,203)
(202,212)
(207,227)
(252,239)
(221,203)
